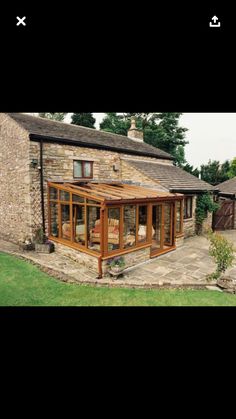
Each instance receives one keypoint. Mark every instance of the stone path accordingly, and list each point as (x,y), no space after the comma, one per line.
(187,266)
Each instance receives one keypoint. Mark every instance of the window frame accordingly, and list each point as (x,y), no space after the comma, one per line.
(186,198)
(181,232)
(83,169)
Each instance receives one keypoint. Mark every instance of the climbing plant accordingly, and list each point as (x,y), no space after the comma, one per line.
(204,205)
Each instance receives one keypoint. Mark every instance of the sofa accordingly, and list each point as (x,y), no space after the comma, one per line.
(113,232)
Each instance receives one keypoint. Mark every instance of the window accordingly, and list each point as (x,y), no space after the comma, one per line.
(65,219)
(179,216)
(113,229)
(54,223)
(188,205)
(93,228)
(142,223)
(83,169)
(79,224)
(129,232)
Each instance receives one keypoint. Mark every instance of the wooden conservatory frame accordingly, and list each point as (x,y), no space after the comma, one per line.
(105,197)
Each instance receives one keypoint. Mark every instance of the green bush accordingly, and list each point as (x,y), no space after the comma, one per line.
(222,251)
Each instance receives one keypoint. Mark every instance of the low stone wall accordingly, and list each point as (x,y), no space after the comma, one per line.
(131,259)
(179,241)
(207,223)
(85,260)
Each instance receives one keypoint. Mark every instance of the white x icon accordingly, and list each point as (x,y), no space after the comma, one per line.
(21,21)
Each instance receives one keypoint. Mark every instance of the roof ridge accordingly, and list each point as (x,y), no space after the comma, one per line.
(90,129)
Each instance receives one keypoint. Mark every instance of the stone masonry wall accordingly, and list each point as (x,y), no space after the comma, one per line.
(190,224)
(15,215)
(85,260)
(131,259)
(58,166)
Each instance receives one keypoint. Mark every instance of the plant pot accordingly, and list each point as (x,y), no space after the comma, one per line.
(26,247)
(116,269)
(44,248)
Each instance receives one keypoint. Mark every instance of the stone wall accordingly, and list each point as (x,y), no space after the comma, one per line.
(207,223)
(190,224)
(58,166)
(85,260)
(15,214)
(131,259)
(234,214)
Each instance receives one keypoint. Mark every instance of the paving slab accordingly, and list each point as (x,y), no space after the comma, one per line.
(187,266)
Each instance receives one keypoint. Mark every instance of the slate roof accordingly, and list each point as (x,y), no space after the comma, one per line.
(171,177)
(228,187)
(86,137)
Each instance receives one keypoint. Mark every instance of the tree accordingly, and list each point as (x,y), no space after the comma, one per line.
(117,124)
(232,168)
(55,116)
(214,172)
(160,130)
(190,169)
(83,119)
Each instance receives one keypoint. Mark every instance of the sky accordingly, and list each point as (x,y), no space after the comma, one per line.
(210,136)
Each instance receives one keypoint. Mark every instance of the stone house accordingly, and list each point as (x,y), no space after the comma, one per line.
(96,194)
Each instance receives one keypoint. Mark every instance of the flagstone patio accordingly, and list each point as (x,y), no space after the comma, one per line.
(187,266)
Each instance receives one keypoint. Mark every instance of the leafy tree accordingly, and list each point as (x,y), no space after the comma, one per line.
(117,124)
(232,169)
(57,116)
(215,173)
(83,119)
(160,130)
(190,169)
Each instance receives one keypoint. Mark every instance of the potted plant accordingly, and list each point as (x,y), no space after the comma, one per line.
(27,244)
(42,244)
(116,265)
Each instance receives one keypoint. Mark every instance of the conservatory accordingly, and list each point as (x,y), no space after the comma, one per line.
(104,220)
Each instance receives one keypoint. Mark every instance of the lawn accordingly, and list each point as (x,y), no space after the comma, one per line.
(22,284)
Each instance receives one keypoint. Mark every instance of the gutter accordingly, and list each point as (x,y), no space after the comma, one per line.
(41,186)
(192,190)
(39,137)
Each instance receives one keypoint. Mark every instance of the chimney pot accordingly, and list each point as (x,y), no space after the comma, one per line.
(134,133)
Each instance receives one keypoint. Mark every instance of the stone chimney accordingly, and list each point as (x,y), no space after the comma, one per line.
(134,133)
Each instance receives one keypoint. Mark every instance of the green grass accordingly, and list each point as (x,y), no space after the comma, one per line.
(22,284)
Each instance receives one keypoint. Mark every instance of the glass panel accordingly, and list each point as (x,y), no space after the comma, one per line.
(129,226)
(189,205)
(54,226)
(64,196)
(65,220)
(167,224)
(93,228)
(178,217)
(87,169)
(77,198)
(142,228)
(79,224)
(156,226)
(53,193)
(113,229)
(77,169)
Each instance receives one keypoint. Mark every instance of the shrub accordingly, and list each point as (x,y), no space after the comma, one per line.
(222,251)
(39,236)
(117,261)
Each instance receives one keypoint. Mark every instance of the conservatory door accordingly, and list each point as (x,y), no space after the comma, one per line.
(162,228)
